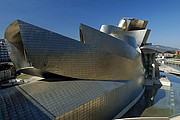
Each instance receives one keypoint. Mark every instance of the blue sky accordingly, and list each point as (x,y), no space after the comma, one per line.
(65,16)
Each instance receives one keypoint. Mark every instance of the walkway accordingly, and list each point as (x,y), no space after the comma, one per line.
(167,69)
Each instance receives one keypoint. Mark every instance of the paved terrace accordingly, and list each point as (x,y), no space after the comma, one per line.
(167,69)
(173,61)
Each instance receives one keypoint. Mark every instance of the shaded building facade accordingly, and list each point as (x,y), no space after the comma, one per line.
(4,56)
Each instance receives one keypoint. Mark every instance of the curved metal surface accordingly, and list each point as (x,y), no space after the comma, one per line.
(108,43)
(113,31)
(15,46)
(68,100)
(51,52)
(98,57)
(139,35)
(132,24)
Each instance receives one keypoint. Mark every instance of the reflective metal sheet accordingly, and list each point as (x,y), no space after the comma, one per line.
(51,52)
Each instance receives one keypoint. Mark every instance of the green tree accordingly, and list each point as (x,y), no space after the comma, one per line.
(177,56)
(171,51)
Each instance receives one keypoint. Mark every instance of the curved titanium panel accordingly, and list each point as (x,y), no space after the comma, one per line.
(139,35)
(51,52)
(15,46)
(98,57)
(109,29)
(113,31)
(68,100)
(108,43)
(132,24)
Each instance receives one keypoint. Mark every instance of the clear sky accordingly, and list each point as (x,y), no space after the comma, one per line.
(65,16)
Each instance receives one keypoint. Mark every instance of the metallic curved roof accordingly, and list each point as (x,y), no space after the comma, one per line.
(101,57)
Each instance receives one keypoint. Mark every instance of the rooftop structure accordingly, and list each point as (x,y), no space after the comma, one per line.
(177,52)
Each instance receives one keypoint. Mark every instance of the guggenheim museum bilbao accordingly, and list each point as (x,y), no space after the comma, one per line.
(99,77)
